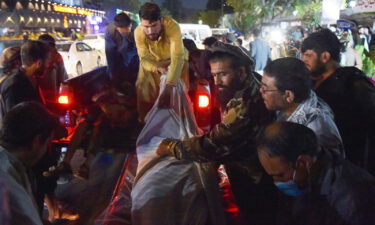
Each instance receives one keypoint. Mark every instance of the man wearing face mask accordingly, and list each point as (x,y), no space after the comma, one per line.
(323,188)
(23,85)
(120,50)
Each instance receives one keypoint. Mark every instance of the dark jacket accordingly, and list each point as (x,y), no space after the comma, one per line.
(341,194)
(122,56)
(15,89)
(232,143)
(351,95)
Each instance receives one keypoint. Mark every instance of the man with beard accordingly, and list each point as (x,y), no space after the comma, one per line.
(120,50)
(349,93)
(23,85)
(161,51)
(232,142)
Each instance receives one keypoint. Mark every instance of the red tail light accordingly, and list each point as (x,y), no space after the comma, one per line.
(203,101)
(63,99)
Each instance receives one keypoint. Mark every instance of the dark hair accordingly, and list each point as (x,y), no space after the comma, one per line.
(235,62)
(256,32)
(150,11)
(210,41)
(239,41)
(190,45)
(11,59)
(321,41)
(24,122)
(48,39)
(288,140)
(290,74)
(122,20)
(32,51)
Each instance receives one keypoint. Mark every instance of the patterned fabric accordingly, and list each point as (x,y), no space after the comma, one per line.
(315,114)
(232,143)
(233,139)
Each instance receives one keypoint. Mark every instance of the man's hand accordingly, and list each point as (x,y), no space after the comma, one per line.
(165,97)
(162,70)
(165,147)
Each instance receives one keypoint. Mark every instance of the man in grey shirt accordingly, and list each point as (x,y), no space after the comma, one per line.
(286,89)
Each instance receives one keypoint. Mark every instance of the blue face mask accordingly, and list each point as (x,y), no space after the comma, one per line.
(291,188)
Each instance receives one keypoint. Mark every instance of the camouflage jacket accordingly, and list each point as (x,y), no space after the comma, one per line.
(234,138)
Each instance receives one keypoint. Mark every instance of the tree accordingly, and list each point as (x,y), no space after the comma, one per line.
(252,13)
(175,8)
(310,12)
(214,10)
(210,17)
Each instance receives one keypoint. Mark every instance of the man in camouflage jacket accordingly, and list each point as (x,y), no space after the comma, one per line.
(232,142)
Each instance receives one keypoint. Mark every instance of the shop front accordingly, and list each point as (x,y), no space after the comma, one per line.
(45,16)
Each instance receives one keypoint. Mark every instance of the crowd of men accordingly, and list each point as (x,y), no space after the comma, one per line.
(297,142)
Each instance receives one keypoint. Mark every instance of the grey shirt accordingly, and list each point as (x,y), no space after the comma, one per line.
(23,208)
(315,114)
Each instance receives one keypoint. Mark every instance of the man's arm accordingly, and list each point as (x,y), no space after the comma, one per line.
(230,140)
(252,49)
(113,57)
(177,52)
(363,92)
(220,144)
(327,133)
(147,61)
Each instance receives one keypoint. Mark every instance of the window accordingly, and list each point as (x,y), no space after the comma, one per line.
(86,47)
(63,47)
(79,47)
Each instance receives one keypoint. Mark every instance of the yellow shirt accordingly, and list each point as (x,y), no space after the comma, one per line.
(169,46)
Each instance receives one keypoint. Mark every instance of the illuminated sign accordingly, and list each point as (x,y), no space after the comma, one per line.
(364,6)
(71,10)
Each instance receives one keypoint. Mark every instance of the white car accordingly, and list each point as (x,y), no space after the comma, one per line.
(79,57)
(95,40)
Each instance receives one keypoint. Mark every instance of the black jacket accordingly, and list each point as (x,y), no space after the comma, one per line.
(351,95)
(15,89)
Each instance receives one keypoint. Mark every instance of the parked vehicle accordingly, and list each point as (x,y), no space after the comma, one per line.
(79,57)
(76,94)
(95,40)
(196,32)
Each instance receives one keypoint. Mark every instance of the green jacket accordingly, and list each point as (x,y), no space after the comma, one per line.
(232,143)
(234,138)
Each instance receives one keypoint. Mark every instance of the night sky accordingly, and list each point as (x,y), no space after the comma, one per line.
(196,4)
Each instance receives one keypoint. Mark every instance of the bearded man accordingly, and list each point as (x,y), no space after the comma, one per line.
(161,51)
(349,93)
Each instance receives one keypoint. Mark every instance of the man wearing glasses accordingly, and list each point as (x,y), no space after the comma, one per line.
(286,89)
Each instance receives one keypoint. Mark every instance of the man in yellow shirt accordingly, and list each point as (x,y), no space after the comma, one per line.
(161,51)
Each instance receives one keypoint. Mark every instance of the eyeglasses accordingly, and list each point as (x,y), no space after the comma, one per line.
(264,90)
